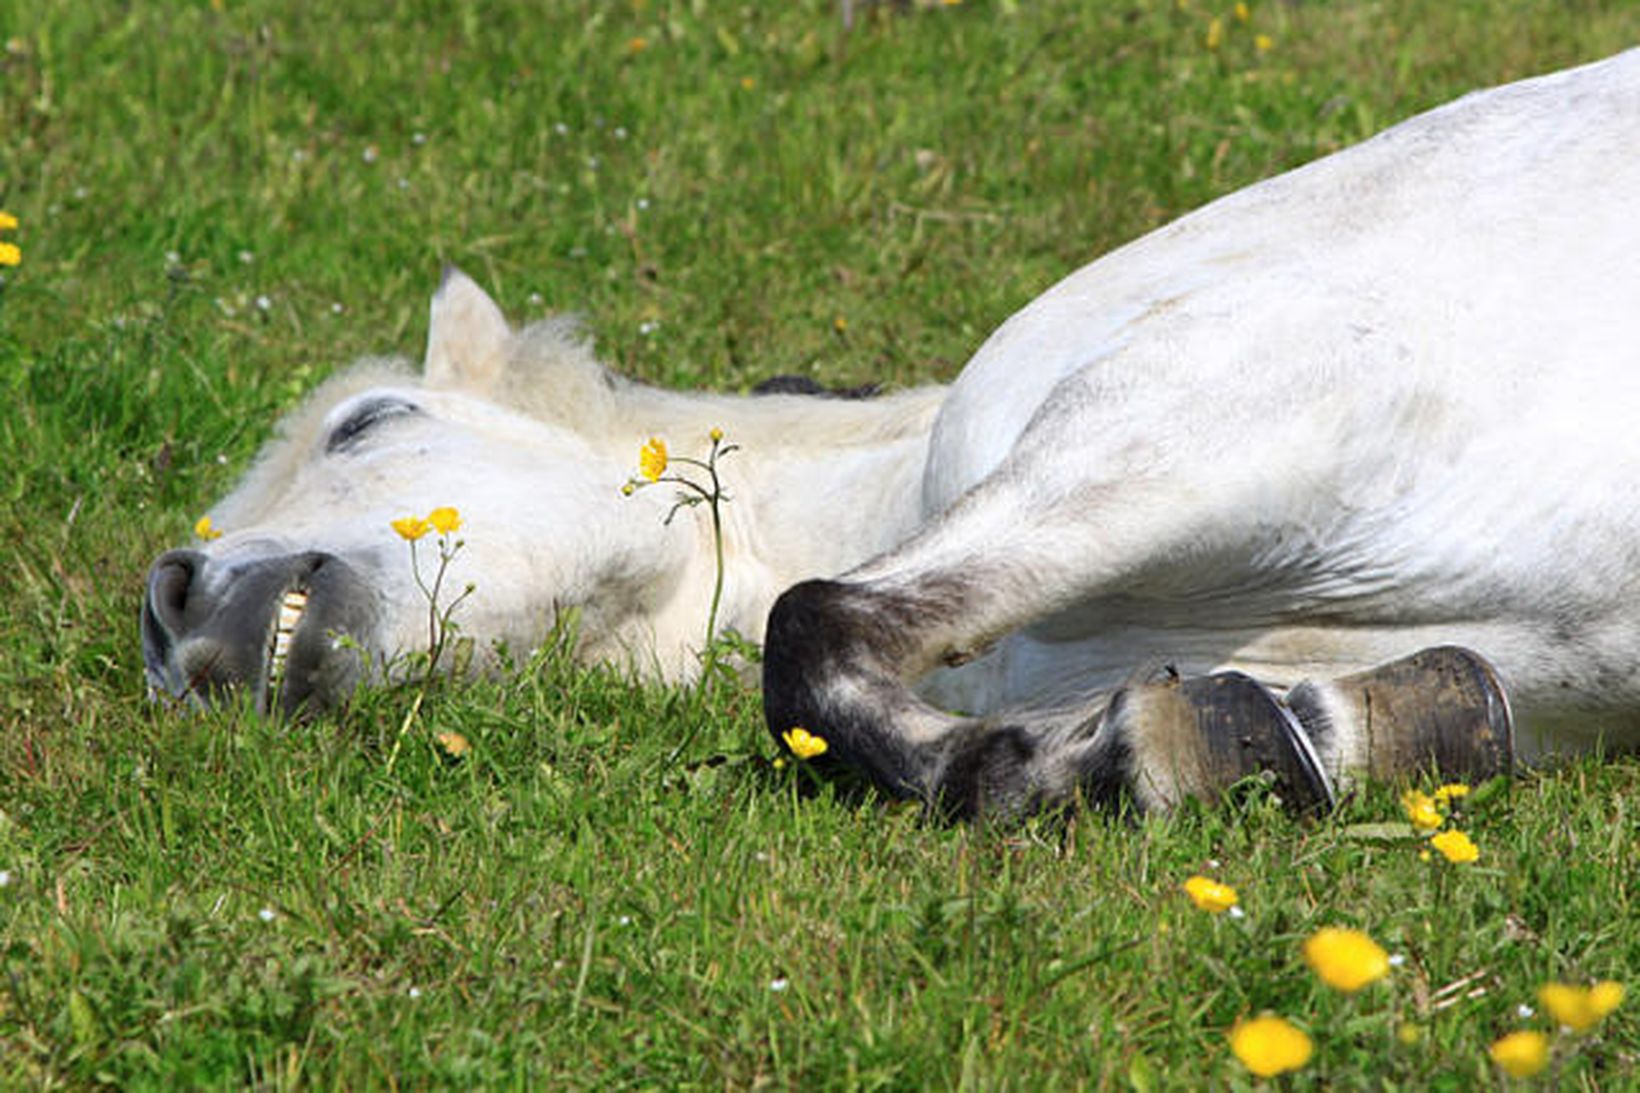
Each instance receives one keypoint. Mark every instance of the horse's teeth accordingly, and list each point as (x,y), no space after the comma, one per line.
(291,608)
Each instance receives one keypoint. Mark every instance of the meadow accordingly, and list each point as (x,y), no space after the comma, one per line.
(218,203)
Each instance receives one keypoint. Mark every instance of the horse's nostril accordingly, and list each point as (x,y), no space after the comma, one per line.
(169,583)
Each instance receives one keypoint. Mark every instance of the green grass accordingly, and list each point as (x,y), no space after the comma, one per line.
(565,908)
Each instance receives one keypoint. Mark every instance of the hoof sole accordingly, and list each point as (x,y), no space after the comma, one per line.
(1442,708)
(1198,737)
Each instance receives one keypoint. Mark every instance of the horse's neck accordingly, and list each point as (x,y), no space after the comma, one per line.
(815,487)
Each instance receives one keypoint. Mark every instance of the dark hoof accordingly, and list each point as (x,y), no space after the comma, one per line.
(1442,708)
(1198,737)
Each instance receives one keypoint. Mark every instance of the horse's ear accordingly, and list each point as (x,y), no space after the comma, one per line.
(467,335)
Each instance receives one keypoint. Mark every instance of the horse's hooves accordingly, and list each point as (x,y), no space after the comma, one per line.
(1441,708)
(1198,737)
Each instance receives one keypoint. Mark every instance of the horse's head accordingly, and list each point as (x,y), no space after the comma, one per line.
(309,586)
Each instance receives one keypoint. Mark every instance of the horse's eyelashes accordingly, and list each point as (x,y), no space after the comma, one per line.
(364,416)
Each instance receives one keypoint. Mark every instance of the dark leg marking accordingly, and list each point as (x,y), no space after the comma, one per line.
(833,663)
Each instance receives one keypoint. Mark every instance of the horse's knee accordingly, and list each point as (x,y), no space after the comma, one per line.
(806,636)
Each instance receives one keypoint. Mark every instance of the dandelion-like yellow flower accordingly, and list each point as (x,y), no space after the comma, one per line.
(444,519)
(8,222)
(716,434)
(1420,809)
(803,743)
(652,459)
(1580,1008)
(1263,42)
(1215,34)
(411,528)
(1521,1054)
(1444,795)
(206,530)
(1456,846)
(747,83)
(1243,12)
(1269,1045)
(453,744)
(1210,895)
(636,45)
(840,324)
(1345,959)
(10,254)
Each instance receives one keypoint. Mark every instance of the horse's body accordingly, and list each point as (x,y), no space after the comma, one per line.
(1386,401)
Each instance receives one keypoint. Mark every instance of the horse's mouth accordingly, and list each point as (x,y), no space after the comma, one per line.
(289,629)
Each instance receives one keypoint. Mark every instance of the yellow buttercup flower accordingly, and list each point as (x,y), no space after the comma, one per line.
(1445,794)
(1269,1045)
(411,528)
(10,254)
(1345,959)
(716,434)
(206,530)
(1243,13)
(652,459)
(1210,895)
(444,519)
(803,743)
(453,744)
(1215,34)
(1580,1008)
(1263,42)
(8,222)
(1521,1054)
(1456,846)
(1420,809)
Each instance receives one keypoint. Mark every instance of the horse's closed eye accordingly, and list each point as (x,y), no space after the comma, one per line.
(363,417)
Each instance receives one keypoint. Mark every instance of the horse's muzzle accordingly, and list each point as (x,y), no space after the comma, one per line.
(287,629)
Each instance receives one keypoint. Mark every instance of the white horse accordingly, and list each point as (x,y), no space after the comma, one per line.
(1328,433)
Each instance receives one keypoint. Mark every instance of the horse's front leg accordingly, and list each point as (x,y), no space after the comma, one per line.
(838,657)
(837,661)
